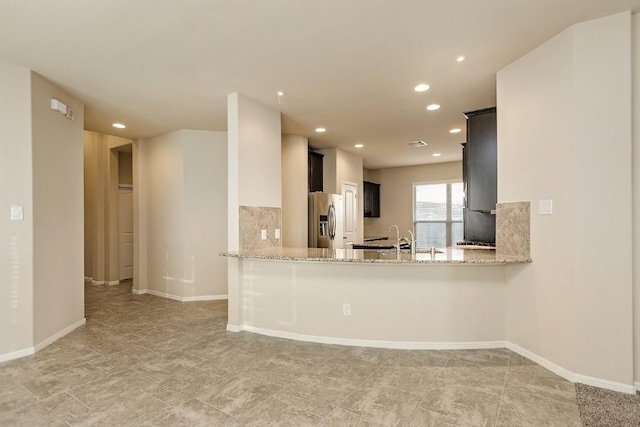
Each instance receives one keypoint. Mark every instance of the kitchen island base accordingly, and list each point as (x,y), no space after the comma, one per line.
(412,306)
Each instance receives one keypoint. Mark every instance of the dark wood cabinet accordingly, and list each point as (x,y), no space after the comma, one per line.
(316,182)
(480,160)
(371,200)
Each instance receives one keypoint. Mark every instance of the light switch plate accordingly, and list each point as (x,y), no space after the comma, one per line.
(277,233)
(263,234)
(545,207)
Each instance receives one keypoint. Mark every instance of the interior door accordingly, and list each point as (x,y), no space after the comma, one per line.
(125,203)
(350,202)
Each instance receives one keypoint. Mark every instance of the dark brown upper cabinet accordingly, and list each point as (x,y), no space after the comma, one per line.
(480,166)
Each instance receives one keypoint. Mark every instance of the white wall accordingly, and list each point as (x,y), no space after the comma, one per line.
(564,133)
(396,194)
(16,252)
(184,181)
(295,169)
(254,159)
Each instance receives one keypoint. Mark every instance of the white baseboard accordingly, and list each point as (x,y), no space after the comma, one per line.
(637,385)
(402,345)
(571,376)
(113,282)
(32,350)
(17,354)
(42,344)
(97,282)
(178,297)
(88,279)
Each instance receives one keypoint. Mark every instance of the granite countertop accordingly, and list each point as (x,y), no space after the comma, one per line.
(445,256)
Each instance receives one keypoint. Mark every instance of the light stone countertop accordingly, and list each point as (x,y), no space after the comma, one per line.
(446,256)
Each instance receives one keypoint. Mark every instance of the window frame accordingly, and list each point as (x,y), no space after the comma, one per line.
(449,221)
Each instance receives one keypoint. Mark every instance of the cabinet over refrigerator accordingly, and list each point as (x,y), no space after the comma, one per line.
(326,221)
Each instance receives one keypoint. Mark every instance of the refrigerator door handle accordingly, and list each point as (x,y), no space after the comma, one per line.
(332,222)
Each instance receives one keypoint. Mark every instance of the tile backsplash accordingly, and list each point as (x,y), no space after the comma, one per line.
(513,229)
(254,219)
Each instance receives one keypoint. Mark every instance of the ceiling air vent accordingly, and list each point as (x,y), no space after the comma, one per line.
(415,144)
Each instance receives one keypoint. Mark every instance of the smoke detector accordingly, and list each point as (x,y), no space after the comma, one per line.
(415,144)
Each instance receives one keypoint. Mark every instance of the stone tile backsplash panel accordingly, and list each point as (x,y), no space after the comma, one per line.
(513,229)
(253,219)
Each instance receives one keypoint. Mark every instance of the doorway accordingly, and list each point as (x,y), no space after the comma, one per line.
(350,199)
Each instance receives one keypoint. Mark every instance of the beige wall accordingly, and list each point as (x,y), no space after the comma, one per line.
(396,194)
(294,190)
(564,133)
(184,182)
(58,292)
(16,183)
(254,160)
(636,192)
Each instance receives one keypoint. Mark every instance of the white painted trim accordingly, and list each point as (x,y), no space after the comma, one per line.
(88,279)
(402,345)
(113,282)
(181,298)
(97,282)
(637,385)
(138,291)
(58,335)
(17,354)
(571,376)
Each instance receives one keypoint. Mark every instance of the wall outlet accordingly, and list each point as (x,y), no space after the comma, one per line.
(277,233)
(263,234)
(346,309)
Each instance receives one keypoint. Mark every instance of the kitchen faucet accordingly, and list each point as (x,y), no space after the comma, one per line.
(413,243)
(397,238)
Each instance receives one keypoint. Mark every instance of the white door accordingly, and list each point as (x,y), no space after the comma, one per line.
(350,201)
(125,252)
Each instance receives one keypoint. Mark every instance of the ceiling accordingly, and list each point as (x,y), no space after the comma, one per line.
(347,65)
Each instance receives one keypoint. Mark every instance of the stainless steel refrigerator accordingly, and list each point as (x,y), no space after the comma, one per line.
(326,221)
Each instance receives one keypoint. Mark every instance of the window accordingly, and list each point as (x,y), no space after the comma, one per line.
(437,214)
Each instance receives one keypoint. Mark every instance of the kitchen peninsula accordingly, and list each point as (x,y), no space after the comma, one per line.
(454,299)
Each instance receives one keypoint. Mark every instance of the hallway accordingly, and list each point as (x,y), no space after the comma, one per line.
(144,360)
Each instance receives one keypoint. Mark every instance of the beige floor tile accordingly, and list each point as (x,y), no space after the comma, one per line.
(15,396)
(316,393)
(480,358)
(490,379)
(191,413)
(57,382)
(417,380)
(274,412)
(524,409)
(385,405)
(341,418)
(538,381)
(16,371)
(461,405)
(239,394)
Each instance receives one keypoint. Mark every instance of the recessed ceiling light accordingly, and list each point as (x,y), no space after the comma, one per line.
(460,58)
(359,145)
(421,87)
(280,93)
(320,130)
(436,154)
(118,125)
(433,107)
(456,130)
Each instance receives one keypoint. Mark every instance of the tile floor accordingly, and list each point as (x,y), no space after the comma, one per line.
(142,360)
